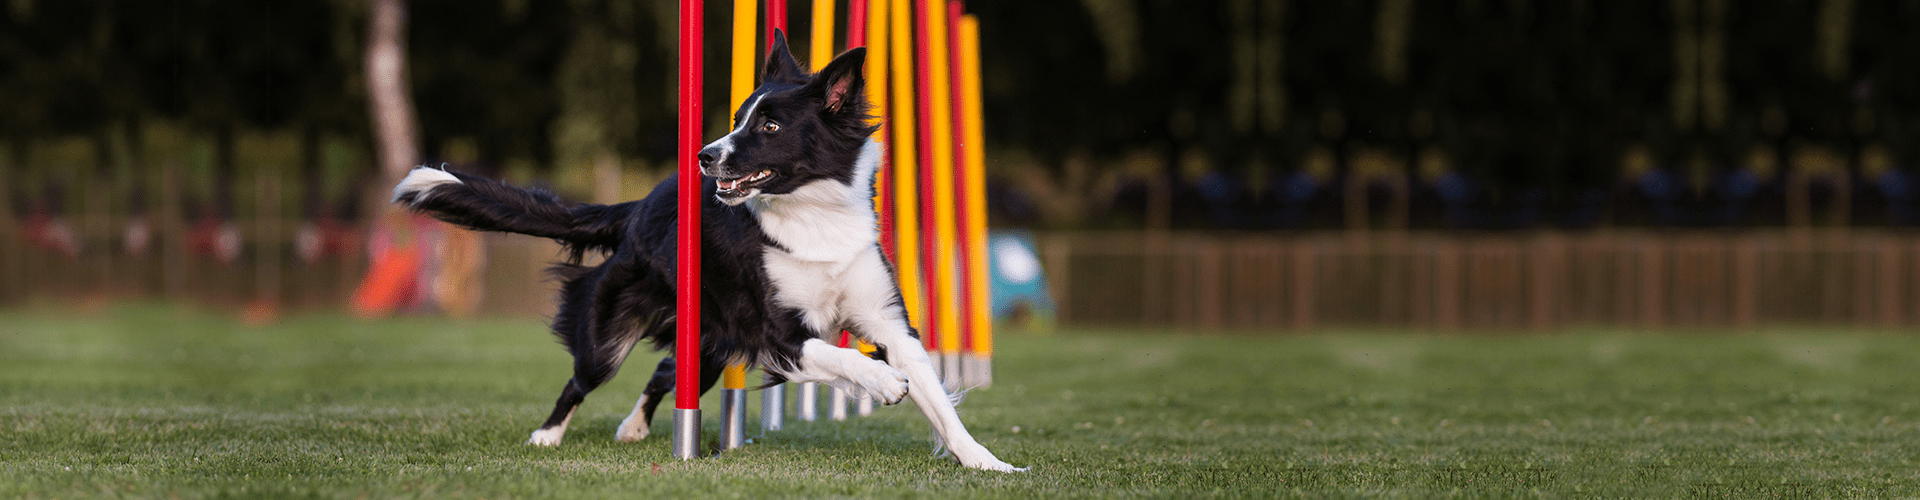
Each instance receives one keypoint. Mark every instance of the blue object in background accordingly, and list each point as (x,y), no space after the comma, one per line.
(1019,282)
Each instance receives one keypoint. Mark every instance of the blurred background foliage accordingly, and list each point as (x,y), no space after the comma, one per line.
(1182,114)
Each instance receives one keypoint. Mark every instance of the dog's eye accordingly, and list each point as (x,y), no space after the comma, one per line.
(770,127)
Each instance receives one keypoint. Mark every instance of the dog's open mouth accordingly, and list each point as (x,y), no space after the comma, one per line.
(740,185)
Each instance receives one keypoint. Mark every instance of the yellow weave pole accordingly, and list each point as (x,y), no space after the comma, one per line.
(820,50)
(905,180)
(745,25)
(945,227)
(877,87)
(733,380)
(980,368)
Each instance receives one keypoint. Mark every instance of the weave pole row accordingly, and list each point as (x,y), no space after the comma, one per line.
(933,210)
(929,193)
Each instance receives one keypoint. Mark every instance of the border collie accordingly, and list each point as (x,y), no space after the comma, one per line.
(790,256)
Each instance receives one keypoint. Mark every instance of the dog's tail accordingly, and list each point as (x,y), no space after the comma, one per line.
(487,205)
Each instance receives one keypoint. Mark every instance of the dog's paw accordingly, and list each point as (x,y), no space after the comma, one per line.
(547,437)
(883,383)
(978,457)
(997,466)
(631,431)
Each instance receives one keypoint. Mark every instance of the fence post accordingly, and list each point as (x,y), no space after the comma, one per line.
(1153,276)
(11,285)
(1653,281)
(1860,259)
(1888,250)
(1908,249)
(1746,280)
(1210,284)
(267,236)
(1420,286)
(1305,263)
(1545,291)
(1395,267)
(1446,277)
(1059,252)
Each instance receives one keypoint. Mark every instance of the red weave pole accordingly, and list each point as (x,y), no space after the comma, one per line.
(857,25)
(687,324)
(956,77)
(776,20)
(928,238)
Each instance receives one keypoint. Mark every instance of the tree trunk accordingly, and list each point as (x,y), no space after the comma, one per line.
(395,134)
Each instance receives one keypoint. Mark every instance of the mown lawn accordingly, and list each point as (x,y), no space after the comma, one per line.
(165,402)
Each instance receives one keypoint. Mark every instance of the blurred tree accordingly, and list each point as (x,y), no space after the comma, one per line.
(487,71)
(1182,113)
(389,95)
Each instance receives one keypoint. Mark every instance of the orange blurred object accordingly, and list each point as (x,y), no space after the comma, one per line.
(391,282)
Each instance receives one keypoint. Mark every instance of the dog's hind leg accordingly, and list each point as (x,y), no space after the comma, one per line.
(588,374)
(636,426)
(550,433)
(589,371)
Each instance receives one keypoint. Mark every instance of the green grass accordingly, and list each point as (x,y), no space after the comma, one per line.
(166,402)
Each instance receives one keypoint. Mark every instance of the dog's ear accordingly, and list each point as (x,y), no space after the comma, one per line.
(841,83)
(780,64)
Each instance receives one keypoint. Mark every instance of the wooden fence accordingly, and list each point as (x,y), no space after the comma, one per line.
(1201,281)
(267,268)
(1541,281)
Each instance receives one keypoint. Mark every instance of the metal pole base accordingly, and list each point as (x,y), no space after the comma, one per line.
(952,373)
(809,392)
(773,408)
(733,412)
(979,370)
(837,405)
(686,433)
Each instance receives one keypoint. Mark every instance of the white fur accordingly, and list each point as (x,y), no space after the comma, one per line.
(825,221)
(634,428)
(848,370)
(421,181)
(551,436)
(832,271)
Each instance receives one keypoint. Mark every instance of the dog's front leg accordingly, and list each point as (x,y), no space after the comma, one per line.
(905,354)
(873,308)
(848,370)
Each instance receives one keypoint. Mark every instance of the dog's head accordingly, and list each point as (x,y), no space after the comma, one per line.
(796,129)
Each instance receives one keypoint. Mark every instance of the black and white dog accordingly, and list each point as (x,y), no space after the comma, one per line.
(790,256)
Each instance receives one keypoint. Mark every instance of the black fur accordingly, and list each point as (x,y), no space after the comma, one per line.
(608,308)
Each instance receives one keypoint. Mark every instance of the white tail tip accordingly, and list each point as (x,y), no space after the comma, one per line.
(421,181)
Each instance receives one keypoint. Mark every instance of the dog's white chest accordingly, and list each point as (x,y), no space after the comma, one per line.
(827,258)
(828,263)
(828,292)
(819,222)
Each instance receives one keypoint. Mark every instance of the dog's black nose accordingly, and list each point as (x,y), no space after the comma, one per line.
(707,157)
